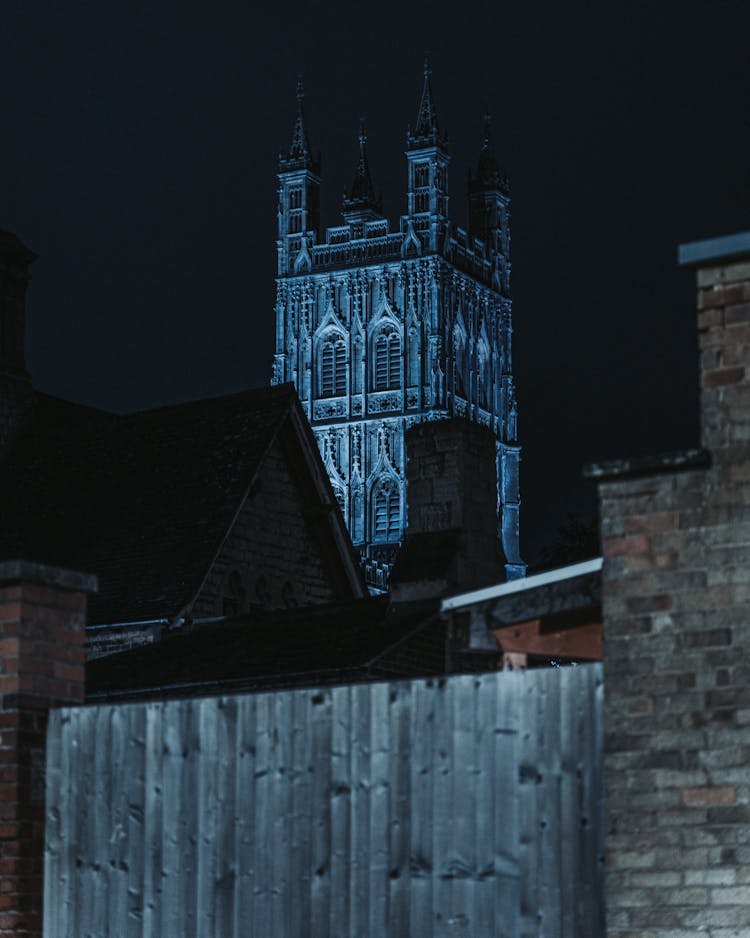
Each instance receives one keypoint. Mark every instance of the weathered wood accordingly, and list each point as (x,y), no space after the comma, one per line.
(380,735)
(465,806)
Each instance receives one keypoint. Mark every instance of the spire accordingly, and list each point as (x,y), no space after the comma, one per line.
(361,198)
(426,130)
(300,155)
(488,177)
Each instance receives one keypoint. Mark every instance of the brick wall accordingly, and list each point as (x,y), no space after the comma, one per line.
(42,619)
(676,602)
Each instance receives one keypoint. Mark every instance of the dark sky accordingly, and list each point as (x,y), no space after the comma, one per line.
(138,156)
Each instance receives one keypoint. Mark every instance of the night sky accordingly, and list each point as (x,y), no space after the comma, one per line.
(138,154)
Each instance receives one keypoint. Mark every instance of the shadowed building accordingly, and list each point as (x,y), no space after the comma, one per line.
(380,330)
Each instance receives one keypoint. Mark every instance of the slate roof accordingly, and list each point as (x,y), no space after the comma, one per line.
(143,500)
(364,639)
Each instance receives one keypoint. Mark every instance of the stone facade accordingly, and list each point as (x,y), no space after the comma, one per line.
(380,330)
(676,600)
(271,558)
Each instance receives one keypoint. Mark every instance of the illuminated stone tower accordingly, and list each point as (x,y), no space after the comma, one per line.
(381,329)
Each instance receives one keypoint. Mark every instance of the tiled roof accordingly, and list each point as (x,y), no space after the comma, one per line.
(142,500)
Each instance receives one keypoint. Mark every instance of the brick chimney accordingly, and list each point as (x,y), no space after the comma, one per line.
(15,385)
(42,656)
(451,538)
(676,603)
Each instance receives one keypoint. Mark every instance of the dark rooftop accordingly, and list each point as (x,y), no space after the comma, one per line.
(142,500)
(333,643)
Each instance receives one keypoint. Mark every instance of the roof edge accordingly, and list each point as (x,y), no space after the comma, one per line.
(714,251)
(24,571)
(657,464)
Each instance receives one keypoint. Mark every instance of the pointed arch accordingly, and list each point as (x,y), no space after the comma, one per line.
(483,374)
(332,364)
(385,508)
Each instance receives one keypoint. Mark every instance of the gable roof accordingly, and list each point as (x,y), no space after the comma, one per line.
(145,500)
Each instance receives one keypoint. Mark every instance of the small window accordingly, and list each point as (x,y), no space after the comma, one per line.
(387,359)
(295,198)
(333,366)
(386,512)
(295,223)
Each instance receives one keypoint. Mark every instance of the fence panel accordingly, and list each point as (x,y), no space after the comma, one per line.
(469,806)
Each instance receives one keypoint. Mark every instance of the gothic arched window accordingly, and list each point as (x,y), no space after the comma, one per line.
(386,511)
(387,356)
(333,365)
(482,379)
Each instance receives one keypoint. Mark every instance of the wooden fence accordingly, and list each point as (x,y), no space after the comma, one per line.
(466,806)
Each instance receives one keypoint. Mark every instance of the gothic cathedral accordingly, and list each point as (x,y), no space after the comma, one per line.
(381,329)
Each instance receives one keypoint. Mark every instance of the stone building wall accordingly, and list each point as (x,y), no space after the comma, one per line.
(676,602)
(273,532)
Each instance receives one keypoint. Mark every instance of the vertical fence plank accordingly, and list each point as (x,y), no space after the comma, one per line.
(507,829)
(486,886)
(380,758)
(245,755)
(550,769)
(171,921)
(592,835)
(361,780)
(263,870)
(322,707)
(341,786)
(99,841)
(461,872)
(298,904)
(443,807)
(422,807)
(400,806)
(55,814)
(281,806)
(571,745)
(528,847)
(119,847)
(225,875)
(152,824)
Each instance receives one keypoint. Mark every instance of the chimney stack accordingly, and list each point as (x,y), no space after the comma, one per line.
(451,541)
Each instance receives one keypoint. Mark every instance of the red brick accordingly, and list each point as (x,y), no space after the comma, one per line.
(722,376)
(620,546)
(709,796)
(69,672)
(723,296)
(652,523)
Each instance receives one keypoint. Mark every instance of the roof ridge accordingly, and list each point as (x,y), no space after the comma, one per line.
(277,390)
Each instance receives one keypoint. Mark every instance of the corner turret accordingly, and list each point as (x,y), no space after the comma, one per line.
(299,194)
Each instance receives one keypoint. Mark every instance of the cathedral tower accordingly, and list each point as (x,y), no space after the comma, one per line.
(380,329)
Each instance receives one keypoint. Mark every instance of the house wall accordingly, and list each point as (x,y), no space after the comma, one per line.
(273,547)
(676,601)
